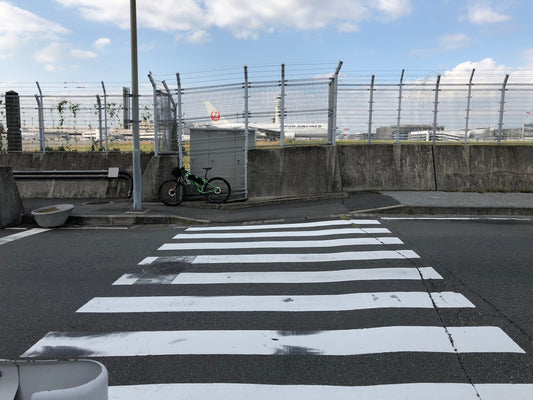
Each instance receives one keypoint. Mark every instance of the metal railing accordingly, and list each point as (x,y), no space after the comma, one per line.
(77,175)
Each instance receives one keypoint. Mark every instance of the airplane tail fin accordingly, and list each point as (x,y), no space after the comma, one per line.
(216,117)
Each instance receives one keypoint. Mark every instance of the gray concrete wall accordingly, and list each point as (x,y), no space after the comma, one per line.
(305,170)
(157,171)
(484,168)
(293,171)
(386,167)
(70,188)
(11,208)
(329,169)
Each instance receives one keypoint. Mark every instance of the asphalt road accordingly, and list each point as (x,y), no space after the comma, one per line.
(47,277)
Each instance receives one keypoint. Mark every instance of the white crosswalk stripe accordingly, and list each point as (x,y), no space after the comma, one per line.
(262,258)
(280,234)
(21,235)
(338,302)
(232,261)
(301,225)
(279,277)
(333,343)
(235,391)
(309,244)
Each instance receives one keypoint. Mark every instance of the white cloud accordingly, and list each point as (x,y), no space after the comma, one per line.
(446,43)
(484,68)
(395,8)
(24,29)
(244,18)
(53,68)
(347,27)
(487,71)
(454,41)
(483,14)
(199,37)
(56,54)
(20,27)
(164,15)
(83,54)
(487,64)
(51,53)
(101,43)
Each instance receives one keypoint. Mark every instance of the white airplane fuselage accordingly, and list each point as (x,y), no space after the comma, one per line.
(273,129)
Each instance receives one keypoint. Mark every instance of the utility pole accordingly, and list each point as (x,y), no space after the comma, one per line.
(137,181)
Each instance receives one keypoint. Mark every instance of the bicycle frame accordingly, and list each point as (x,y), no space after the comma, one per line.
(204,187)
(172,191)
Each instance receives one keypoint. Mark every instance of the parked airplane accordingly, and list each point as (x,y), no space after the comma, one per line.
(272,129)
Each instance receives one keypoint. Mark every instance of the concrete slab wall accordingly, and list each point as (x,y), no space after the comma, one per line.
(329,169)
(305,170)
(11,208)
(71,188)
(386,167)
(158,170)
(484,168)
(293,171)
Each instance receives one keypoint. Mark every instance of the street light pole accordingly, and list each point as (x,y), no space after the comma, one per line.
(137,181)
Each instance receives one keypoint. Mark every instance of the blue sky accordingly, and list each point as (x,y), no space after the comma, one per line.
(89,41)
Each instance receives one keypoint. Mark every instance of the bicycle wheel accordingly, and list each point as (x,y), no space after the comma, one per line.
(218,190)
(171,192)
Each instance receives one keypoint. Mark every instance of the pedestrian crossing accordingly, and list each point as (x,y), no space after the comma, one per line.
(413,391)
(304,270)
(249,342)
(299,303)
(261,258)
(279,244)
(280,277)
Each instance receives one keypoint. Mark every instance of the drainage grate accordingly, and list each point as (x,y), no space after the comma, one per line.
(166,268)
(98,203)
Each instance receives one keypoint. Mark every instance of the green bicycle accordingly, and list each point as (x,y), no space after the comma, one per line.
(172,191)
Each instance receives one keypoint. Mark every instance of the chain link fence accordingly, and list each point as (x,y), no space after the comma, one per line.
(283,105)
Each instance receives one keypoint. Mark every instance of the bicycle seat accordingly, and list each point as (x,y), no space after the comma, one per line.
(208,168)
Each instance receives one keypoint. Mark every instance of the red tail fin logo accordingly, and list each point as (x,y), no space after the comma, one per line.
(215,116)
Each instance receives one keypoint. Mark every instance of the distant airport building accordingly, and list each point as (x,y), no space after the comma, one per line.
(391,132)
(527,131)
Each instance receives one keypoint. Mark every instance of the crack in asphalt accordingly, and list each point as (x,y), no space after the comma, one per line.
(450,338)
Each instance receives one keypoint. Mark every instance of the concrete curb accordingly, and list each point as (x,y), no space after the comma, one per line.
(291,209)
(131,220)
(123,220)
(434,210)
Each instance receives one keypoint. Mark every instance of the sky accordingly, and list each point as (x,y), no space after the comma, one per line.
(89,40)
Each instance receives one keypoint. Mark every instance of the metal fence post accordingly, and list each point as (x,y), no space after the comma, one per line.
(246,144)
(399,108)
(136,159)
(435,109)
(156,116)
(105,119)
(468,104)
(502,102)
(180,124)
(332,126)
(40,105)
(99,121)
(14,135)
(331,120)
(282,106)
(370,109)
(174,131)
